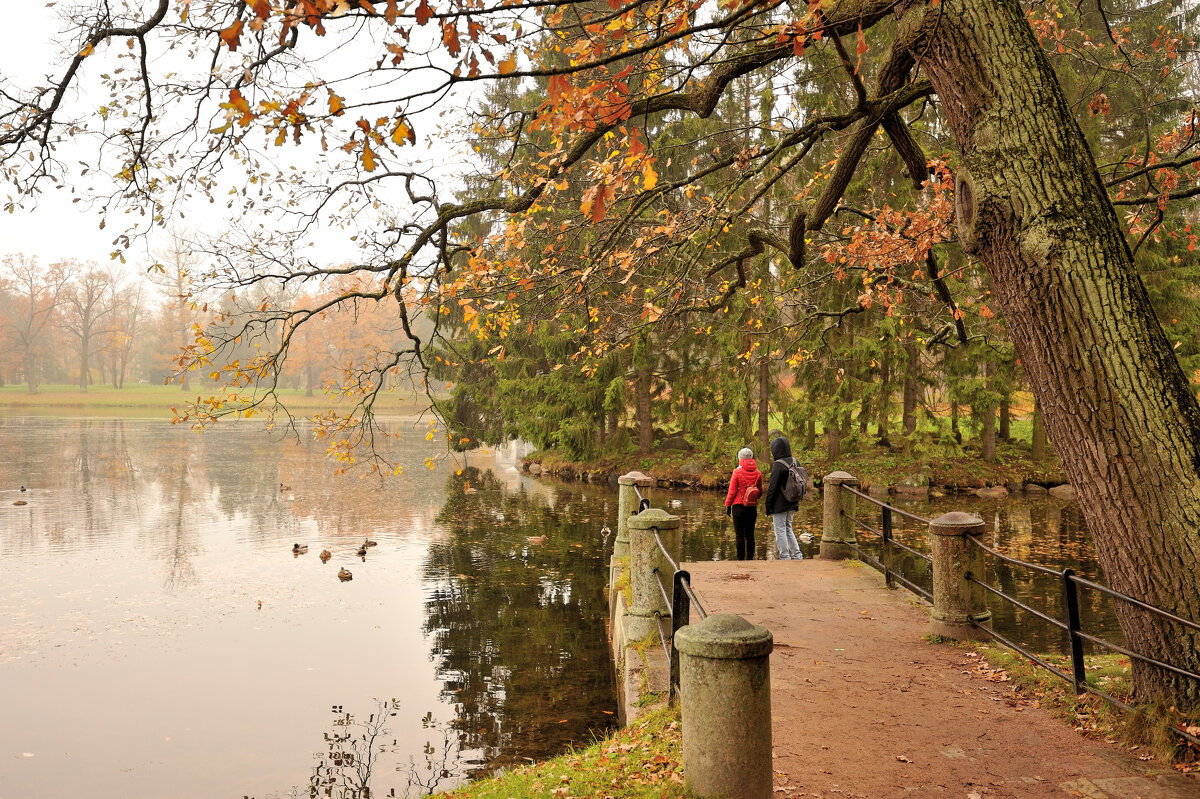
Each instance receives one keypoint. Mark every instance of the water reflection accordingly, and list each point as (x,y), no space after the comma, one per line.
(509,616)
(152,597)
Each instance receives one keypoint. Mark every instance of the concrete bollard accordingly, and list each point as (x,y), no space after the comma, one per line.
(957,602)
(725,703)
(627,505)
(644,558)
(836,530)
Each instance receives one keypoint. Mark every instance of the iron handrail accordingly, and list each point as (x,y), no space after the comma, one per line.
(1013,601)
(1074,629)
(882,504)
(890,539)
(680,602)
(890,576)
(1137,603)
(1013,645)
(1037,567)
(1070,581)
(643,503)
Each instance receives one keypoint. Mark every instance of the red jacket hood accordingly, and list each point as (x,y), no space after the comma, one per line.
(749,464)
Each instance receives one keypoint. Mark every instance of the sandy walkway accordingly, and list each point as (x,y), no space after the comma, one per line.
(864,707)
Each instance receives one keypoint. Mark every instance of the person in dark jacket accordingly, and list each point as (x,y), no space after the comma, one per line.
(776,505)
(743,506)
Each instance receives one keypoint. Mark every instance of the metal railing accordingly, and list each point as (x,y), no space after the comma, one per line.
(643,503)
(1070,583)
(888,544)
(680,601)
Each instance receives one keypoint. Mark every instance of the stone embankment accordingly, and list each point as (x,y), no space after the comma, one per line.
(697,475)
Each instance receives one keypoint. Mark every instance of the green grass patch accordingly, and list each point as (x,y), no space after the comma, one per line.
(642,761)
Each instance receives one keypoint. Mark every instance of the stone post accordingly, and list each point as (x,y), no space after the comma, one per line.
(836,530)
(957,602)
(644,558)
(725,704)
(627,505)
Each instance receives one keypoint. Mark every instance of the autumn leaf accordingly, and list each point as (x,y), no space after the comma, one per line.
(450,37)
(336,104)
(649,176)
(261,9)
(594,201)
(239,103)
(368,157)
(403,132)
(392,13)
(509,64)
(232,35)
(87,50)
(424,12)
(559,85)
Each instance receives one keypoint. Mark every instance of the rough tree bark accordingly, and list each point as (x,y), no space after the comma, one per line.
(1037,444)
(1118,408)
(987,435)
(764,402)
(645,428)
(910,390)
(885,395)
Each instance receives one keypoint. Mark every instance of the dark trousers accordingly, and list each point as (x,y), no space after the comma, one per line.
(744,518)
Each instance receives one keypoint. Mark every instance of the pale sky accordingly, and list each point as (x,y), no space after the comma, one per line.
(52,227)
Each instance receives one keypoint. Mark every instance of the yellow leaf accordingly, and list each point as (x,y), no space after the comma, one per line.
(403,133)
(336,104)
(509,64)
(88,49)
(368,157)
(649,176)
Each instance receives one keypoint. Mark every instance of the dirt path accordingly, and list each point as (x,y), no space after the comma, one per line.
(863,706)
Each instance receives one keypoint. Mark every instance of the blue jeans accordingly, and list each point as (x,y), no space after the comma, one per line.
(785,537)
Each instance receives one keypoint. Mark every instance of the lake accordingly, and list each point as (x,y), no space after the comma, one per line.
(159,637)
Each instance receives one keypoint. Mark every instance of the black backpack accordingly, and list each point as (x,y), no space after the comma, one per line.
(795,484)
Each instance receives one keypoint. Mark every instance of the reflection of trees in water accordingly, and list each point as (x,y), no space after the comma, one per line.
(517,628)
(361,755)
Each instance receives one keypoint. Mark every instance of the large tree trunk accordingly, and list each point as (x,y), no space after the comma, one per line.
(31,377)
(83,365)
(1037,444)
(910,390)
(885,396)
(987,435)
(645,428)
(764,402)
(1118,408)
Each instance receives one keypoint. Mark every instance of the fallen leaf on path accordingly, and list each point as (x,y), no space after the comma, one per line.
(903,759)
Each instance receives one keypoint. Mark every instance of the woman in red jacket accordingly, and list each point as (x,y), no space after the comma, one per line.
(741,503)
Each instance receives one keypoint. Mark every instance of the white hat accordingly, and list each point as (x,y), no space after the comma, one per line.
(745,452)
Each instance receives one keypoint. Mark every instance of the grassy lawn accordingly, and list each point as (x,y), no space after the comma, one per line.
(156,401)
(642,761)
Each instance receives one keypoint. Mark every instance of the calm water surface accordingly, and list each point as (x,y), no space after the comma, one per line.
(136,660)
(159,639)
